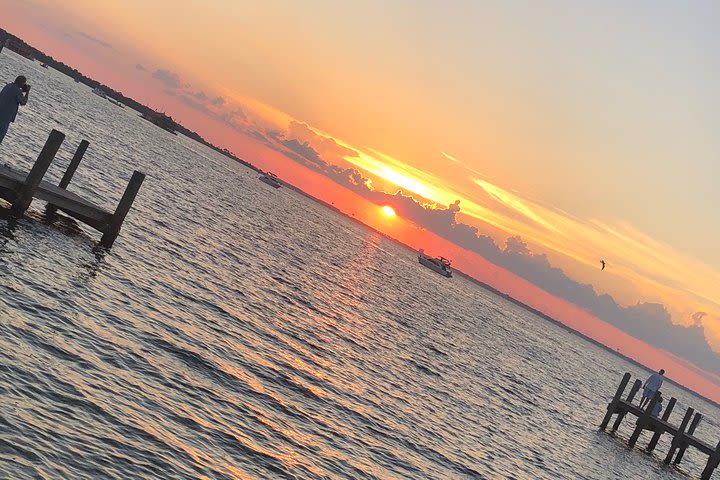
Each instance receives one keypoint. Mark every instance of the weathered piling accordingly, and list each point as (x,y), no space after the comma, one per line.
(681,439)
(712,464)
(614,402)
(19,190)
(51,209)
(631,396)
(643,420)
(683,444)
(676,439)
(26,191)
(122,209)
(658,433)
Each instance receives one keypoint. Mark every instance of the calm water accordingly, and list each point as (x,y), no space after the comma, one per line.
(236,331)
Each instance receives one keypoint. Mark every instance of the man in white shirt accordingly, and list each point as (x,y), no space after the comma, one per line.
(651,386)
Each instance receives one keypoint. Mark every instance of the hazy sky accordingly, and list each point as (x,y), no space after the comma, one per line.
(603,109)
(585,127)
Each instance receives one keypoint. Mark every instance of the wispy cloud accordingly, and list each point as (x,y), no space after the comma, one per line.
(480,215)
(648,321)
(655,269)
(95,40)
(168,78)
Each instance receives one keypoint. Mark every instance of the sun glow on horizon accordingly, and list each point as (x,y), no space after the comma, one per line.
(388,211)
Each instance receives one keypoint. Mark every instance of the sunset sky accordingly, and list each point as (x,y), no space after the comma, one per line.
(585,128)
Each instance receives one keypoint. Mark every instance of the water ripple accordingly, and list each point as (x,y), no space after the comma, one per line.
(236,332)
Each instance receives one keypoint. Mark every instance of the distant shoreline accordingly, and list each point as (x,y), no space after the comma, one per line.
(507,297)
(19,46)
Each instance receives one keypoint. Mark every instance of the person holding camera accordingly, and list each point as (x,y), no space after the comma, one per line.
(11,97)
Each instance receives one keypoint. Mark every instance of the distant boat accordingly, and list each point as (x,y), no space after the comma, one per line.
(115,102)
(161,120)
(43,65)
(99,92)
(440,265)
(271,179)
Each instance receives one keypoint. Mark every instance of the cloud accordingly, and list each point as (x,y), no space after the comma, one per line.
(167,78)
(647,321)
(214,106)
(95,40)
(139,66)
(501,211)
(696,318)
(323,146)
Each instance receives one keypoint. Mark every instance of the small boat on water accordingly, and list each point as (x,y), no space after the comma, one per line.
(271,179)
(44,65)
(115,102)
(440,265)
(99,92)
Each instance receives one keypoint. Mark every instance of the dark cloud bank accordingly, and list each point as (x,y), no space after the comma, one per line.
(650,322)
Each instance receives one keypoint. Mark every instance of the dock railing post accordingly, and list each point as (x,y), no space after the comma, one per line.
(666,415)
(51,209)
(678,436)
(643,421)
(27,189)
(621,415)
(683,445)
(122,209)
(613,403)
(712,463)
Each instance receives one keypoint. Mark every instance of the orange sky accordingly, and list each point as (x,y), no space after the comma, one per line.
(320,187)
(520,160)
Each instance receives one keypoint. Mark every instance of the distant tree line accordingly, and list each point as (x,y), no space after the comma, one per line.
(28,51)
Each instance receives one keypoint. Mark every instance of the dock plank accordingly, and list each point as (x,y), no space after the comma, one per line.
(21,189)
(68,202)
(681,438)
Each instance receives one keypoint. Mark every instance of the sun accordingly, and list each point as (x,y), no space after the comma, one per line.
(388,211)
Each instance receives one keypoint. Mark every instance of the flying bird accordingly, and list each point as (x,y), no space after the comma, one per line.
(602,262)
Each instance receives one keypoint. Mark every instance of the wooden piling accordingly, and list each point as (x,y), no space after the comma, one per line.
(666,416)
(642,421)
(79,153)
(678,436)
(613,404)
(631,396)
(111,233)
(682,439)
(65,181)
(683,445)
(25,192)
(712,464)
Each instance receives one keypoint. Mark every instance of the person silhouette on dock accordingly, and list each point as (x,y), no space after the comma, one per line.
(658,406)
(11,97)
(652,385)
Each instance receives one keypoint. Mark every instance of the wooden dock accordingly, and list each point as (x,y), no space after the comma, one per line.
(682,436)
(20,189)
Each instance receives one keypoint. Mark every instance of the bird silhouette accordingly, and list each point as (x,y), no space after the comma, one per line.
(603,265)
